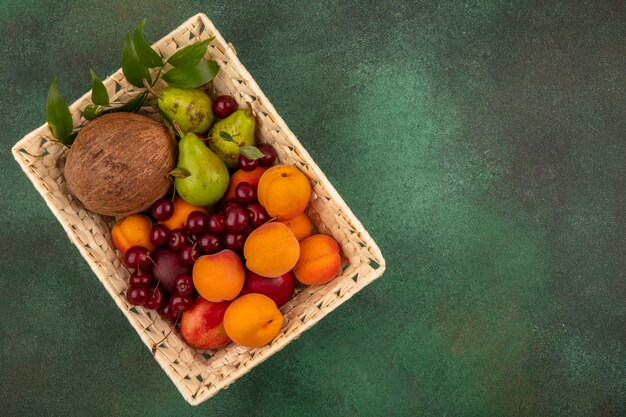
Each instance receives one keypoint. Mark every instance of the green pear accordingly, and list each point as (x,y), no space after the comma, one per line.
(227,135)
(190,109)
(201,178)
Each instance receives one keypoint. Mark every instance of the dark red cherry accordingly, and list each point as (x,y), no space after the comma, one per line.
(216,223)
(156,298)
(257,214)
(209,243)
(159,235)
(177,240)
(223,106)
(162,209)
(196,222)
(245,192)
(269,155)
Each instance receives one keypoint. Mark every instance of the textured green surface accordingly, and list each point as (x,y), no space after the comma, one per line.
(481,144)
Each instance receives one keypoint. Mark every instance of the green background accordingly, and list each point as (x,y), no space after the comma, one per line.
(480,143)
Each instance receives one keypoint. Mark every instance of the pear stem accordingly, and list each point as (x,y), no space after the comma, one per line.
(149,88)
(178,129)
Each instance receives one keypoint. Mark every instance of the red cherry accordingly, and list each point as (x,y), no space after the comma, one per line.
(137,296)
(209,243)
(229,203)
(159,235)
(216,223)
(269,155)
(196,222)
(156,298)
(247,164)
(189,253)
(236,219)
(257,214)
(184,284)
(180,303)
(234,241)
(141,278)
(162,209)
(245,192)
(177,240)
(223,106)
(137,257)
(168,313)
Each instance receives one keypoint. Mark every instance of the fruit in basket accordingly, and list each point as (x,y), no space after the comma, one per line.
(279,289)
(223,106)
(239,176)
(219,277)
(168,266)
(269,155)
(138,257)
(202,326)
(284,191)
(190,109)
(119,163)
(228,134)
(257,214)
(141,278)
(162,209)
(204,177)
(133,230)
(181,212)
(319,260)
(300,226)
(252,320)
(247,164)
(159,235)
(271,250)
(156,298)
(137,296)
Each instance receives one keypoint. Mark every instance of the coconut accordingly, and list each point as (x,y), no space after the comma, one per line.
(119,162)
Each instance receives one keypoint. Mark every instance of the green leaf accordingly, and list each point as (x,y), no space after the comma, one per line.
(226,136)
(133,69)
(191,77)
(91,111)
(58,115)
(191,54)
(251,152)
(179,173)
(133,105)
(99,94)
(148,56)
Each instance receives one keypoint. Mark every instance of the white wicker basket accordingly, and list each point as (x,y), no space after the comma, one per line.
(199,375)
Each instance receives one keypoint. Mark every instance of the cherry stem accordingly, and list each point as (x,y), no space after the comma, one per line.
(156,344)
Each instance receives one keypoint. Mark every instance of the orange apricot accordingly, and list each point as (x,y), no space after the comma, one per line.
(271,250)
(319,260)
(219,277)
(284,191)
(252,320)
(180,214)
(133,230)
(300,226)
(239,176)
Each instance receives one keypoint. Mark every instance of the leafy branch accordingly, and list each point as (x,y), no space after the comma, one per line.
(186,69)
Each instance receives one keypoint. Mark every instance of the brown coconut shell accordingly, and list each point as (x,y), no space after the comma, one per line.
(119,162)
